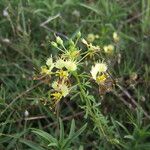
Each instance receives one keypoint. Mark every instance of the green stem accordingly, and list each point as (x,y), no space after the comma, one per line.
(84,98)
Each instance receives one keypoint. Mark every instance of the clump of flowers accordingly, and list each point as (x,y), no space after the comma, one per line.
(69,75)
(61,69)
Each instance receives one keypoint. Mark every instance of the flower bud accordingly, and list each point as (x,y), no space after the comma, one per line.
(59,40)
(26,113)
(54,44)
(79,34)
(116,37)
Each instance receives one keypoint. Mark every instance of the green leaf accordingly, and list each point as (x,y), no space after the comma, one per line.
(45,135)
(92,8)
(72,129)
(129,137)
(71,138)
(53,145)
(32,145)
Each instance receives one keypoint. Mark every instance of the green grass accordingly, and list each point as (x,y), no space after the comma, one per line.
(28,48)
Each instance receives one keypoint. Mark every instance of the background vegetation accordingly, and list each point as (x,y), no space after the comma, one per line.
(25,38)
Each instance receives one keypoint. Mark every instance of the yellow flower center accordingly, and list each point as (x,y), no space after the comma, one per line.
(56,96)
(101,78)
(45,70)
(62,74)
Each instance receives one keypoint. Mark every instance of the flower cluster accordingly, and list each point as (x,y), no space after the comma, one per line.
(63,67)
(60,70)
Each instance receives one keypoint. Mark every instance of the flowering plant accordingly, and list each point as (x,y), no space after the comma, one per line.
(66,81)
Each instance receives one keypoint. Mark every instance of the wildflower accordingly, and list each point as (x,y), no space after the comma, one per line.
(109,49)
(60,63)
(101,78)
(90,37)
(116,37)
(72,53)
(92,47)
(61,88)
(70,65)
(92,50)
(56,96)
(62,74)
(50,63)
(64,90)
(55,85)
(45,70)
(59,40)
(98,68)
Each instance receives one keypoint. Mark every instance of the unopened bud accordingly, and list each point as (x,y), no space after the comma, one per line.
(79,34)
(26,113)
(54,44)
(59,40)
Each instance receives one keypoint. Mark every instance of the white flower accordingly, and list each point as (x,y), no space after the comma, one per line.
(50,63)
(94,71)
(64,90)
(98,68)
(102,67)
(60,63)
(62,87)
(90,37)
(55,85)
(109,49)
(70,65)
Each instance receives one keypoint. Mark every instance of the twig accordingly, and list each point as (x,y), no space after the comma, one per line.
(123,100)
(50,19)
(43,24)
(35,118)
(132,100)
